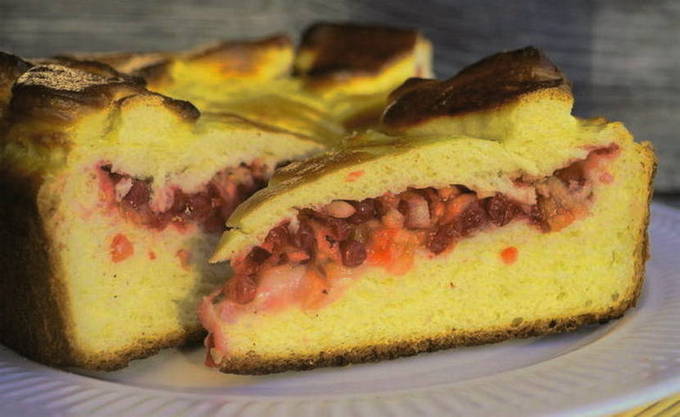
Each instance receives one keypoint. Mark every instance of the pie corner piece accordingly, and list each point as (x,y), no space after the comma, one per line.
(85,156)
(513,219)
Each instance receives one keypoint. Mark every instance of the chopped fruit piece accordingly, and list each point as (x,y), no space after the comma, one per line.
(416,210)
(380,249)
(456,205)
(152,255)
(313,290)
(121,248)
(606,178)
(441,239)
(353,252)
(364,211)
(184,258)
(501,210)
(354,175)
(509,255)
(241,289)
(340,209)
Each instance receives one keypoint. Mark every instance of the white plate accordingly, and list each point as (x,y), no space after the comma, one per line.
(594,371)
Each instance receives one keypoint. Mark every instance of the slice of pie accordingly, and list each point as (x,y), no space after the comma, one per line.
(113,199)
(485,212)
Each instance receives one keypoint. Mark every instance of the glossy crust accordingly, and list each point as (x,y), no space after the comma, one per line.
(485,85)
(62,94)
(255,365)
(88,65)
(340,49)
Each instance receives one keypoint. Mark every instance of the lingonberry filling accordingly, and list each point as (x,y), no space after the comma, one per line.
(387,230)
(209,207)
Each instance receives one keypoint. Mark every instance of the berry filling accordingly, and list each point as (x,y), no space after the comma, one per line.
(387,231)
(209,207)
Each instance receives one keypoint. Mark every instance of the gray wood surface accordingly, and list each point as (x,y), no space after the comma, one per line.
(623,56)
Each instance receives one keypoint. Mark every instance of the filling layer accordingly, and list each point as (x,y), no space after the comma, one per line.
(308,261)
(209,207)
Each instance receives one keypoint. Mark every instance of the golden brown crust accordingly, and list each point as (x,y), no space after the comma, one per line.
(61,94)
(487,84)
(56,93)
(342,49)
(254,365)
(88,65)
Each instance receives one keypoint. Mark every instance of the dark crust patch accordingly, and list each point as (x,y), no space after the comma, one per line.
(254,365)
(58,93)
(92,67)
(343,50)
(487,84)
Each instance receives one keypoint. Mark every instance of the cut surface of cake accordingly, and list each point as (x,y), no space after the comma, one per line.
(483,211)
(113,198)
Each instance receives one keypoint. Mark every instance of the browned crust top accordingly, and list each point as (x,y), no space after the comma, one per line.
(487,84)
(342,49)
(61,94)
(90,66)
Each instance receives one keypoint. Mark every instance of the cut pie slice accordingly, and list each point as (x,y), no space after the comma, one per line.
(113,198)
(486,212)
